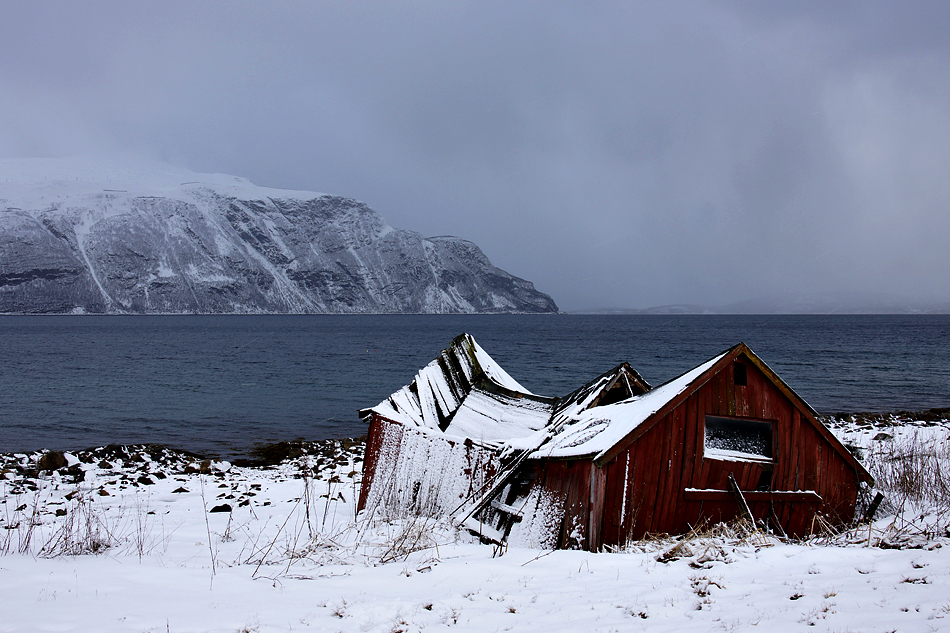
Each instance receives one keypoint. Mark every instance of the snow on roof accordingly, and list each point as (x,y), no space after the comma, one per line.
(465,394)
(493,418)
(597,430)
(493,370)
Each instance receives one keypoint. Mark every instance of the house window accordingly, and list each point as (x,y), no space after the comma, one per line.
(738,438)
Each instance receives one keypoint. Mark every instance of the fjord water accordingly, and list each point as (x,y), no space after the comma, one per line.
(221,384)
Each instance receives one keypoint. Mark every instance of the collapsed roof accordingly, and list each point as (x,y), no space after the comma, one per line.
(464,394)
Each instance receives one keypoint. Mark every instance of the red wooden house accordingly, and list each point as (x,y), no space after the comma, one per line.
(609,463)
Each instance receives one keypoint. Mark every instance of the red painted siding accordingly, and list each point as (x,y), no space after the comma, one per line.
(668,458)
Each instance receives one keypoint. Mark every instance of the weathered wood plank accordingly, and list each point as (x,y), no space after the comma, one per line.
(794,479)
(595,521)
(692,442)
(682,464)
(370,459)
(613,502)
(671,484)
(652,449)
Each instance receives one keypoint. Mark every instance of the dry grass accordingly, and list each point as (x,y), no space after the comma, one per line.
(913,474)
(84,530)
(80,525)
(704,544)
(912,471)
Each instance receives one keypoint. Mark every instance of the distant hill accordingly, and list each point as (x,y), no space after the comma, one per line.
(79,236)
(802,305)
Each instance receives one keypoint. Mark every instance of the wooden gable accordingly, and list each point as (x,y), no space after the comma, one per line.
(730,399)
(662,478)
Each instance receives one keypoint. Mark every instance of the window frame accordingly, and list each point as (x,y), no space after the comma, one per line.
(738,456)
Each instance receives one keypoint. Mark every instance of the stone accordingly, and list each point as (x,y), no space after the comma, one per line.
(53,460)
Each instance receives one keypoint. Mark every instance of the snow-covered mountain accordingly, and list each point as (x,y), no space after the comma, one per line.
(85,236)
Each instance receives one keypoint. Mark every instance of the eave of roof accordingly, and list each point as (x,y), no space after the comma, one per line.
(810,414)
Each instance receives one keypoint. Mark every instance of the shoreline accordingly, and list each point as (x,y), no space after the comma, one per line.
(138,465)
(264,453)
(141,465)
(272,452)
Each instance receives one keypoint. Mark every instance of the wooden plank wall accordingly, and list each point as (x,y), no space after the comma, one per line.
(644,491)
(570,481)
(371,458)
(461,468)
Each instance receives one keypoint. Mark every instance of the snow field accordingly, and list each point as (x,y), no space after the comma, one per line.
(292,556)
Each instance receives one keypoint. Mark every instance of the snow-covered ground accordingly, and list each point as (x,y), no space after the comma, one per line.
(291,555)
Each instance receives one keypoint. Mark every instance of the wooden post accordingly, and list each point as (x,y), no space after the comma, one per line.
(742,503)
(872,509)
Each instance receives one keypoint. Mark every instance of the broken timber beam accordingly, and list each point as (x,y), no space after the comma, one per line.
(742,502)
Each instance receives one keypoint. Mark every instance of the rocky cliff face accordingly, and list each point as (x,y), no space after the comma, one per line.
(89,239)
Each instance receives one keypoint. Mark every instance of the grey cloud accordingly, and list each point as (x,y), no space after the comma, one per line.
(617,154)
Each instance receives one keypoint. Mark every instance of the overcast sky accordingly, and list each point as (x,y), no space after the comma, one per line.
(617,154)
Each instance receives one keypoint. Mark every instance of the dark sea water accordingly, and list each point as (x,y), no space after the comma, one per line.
(223,383)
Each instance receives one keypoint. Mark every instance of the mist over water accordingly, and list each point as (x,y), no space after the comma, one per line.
(223,383)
